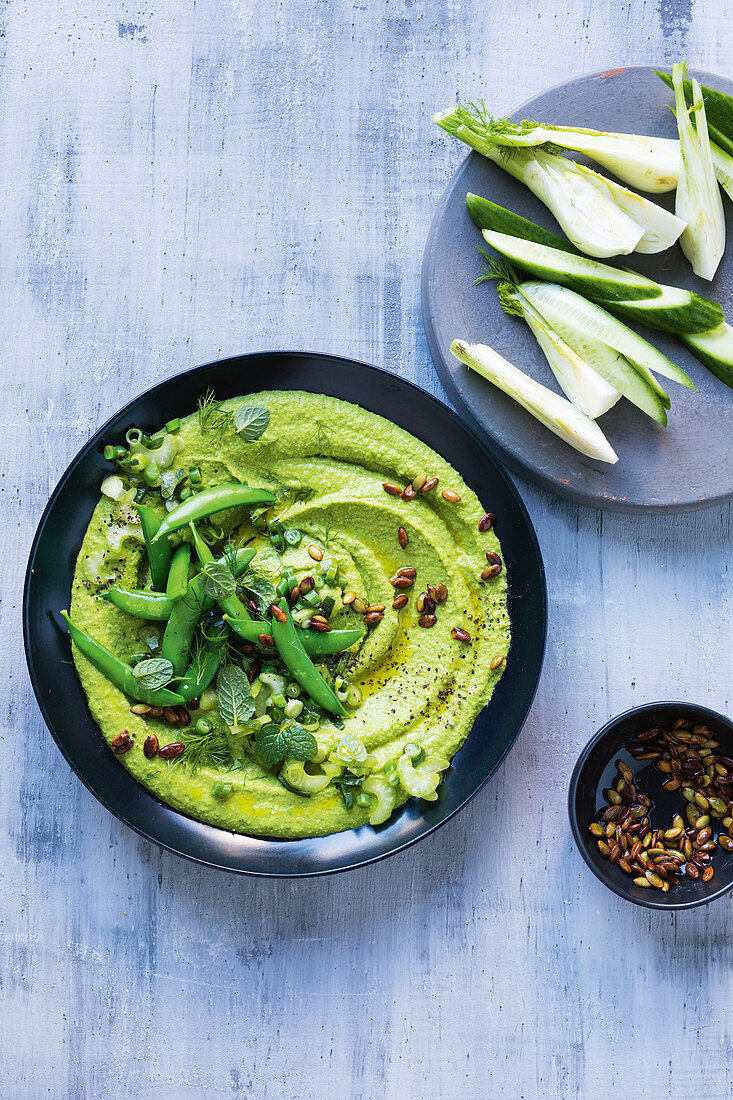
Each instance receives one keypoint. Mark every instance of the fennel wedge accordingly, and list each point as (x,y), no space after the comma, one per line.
(600,217)
(552,410)
(591,318)
(556,304)
(648,163)
(579,381)
(698,200)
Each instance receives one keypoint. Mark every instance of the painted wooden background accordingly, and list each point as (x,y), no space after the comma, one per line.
(184,180)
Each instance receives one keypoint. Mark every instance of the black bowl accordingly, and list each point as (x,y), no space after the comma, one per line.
(62,701)
(596,770)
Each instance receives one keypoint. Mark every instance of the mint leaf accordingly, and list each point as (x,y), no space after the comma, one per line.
(235,700)
(261,589)
(153,673)
(302,744)
(251,422)
(272,745)
(217,580)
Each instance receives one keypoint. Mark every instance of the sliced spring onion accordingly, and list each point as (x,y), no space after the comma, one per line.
(600,217)
(552,410)
(698,201)
(583,385)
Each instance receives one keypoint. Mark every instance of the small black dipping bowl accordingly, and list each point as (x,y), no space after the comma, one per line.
(596,770)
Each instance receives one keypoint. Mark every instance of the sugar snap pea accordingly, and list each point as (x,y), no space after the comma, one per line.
(232,606)
(186,613)
(159,550)
(217,498)
(204,667)
(116,671)
(178,573)
(315,645)
(139,602)
(299,664)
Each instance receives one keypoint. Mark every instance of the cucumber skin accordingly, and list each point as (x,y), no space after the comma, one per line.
(722,369)
(701,315)
(489,215)
(584,285)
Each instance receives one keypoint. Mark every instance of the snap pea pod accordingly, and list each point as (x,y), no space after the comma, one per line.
(232,606)
(140,603)
(185,615)
(202,670)
(159,550)
(217,498)
(315,645)
(117,672)
(299,664)
(178,573)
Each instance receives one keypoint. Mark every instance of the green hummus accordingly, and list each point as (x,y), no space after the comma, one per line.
(420,686)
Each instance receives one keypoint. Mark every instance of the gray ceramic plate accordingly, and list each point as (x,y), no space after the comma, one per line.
(687,465)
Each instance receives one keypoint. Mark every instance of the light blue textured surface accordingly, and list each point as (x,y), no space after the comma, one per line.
(187,180)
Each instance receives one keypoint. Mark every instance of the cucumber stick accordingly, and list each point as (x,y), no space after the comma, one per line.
(489,215)
(715,350)
(676,310)
(591,318)
(672,309)
(556,305)
(580,273)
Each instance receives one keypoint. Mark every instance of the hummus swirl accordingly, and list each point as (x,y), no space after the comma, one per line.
(326,460)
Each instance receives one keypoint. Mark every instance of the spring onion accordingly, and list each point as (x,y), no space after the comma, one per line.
(600,217)
(698,200)
(552,410)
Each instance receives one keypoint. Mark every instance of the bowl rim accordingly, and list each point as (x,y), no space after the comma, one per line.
(93,442)
(575,826)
